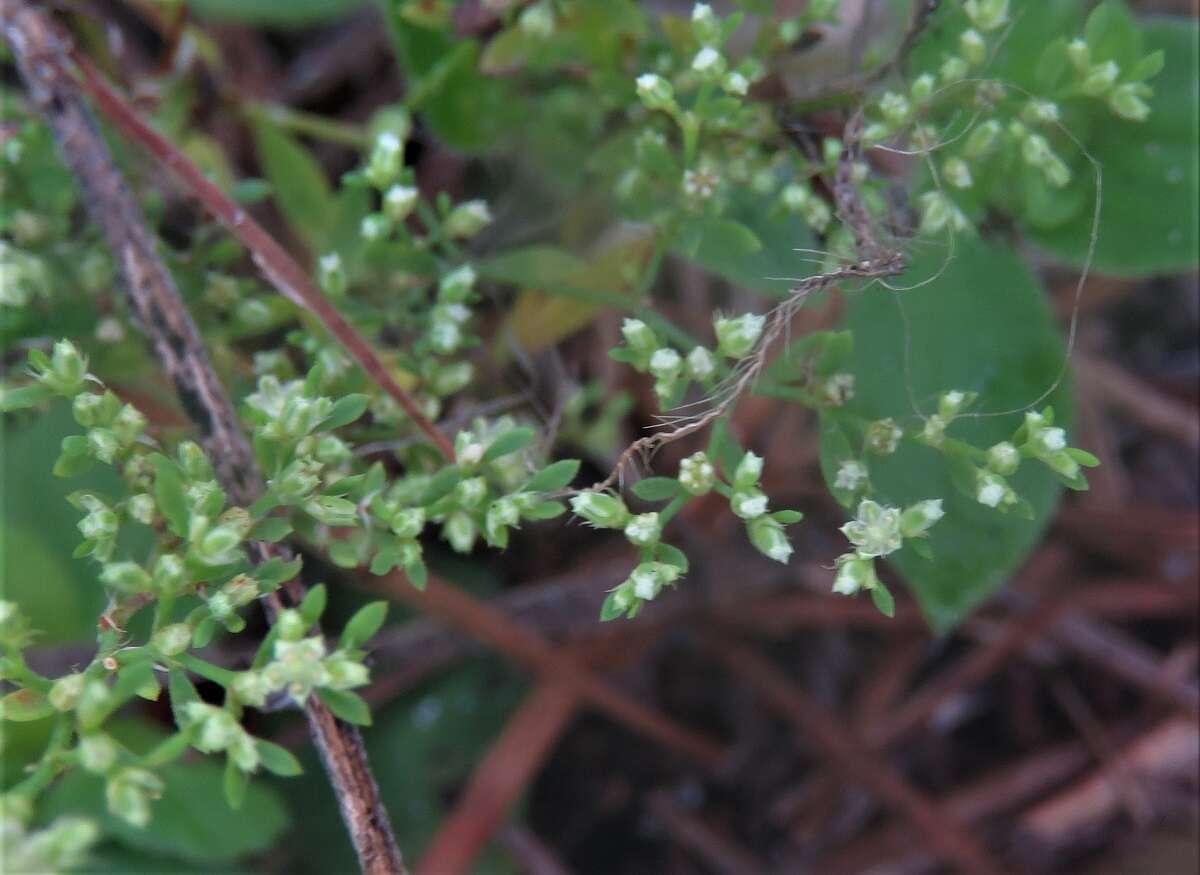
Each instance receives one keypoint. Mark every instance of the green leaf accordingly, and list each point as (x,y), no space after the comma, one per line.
(74,458)
(440,484)
(883,600)
(983,325)
(313,605)
(270,529)
(346,410)
(657,488)
(365,623)
(22,706)
(216,839)
(346,705)
(182,692)
(277,760)
(1150,182)
(23,396)
(671,555)
(169,494)
(292,12)
(301,190)
(760,255)
(787,517)
(275,571)
(555,476)
(609,610)
(545,510)
(511,441)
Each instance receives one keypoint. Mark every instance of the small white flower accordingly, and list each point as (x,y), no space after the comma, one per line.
(644,529)
(749,505)
(736,84)
(708,60)
(665,363)
(701,363)
(646,584)
(1054,439)
(991,492)
(851,475)
(875,531)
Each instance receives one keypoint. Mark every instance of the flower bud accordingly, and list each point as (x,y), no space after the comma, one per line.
(705,26)
(331,275)
(67,370)
(399,202)
(852,475)
(700,363)
(141,508)
(918,518)
(883,436)
(172,640)
(407,522)
(987,15)
(665,364)
(219,545)
(97,752)
(345,673)
(126,577)
(1100,79)
(1080,54)
(735,83)
(65,693)
(922,88)
(954,69)
(194,462)
(94,704)
(749,471)
(386,158)
(768,538)
(957,173)
(655,92)
(103,444)
(1003,458)
(736,337)
(375,227)
(128,795)
(854,574)
(748,503)
(170,574)
(291,625)
(982,139)
(251,688)
(332,510)
(243,752)
(537,20)
(456,286)
(709,63)
(460,531)
(992,490)
(1126,101)
(953,401)
(467,219)
(602,510)
(639,336)
(644,529)
(696,474)
(972,47)
(895,108)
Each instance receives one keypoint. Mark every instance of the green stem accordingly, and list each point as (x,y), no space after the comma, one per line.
(48,765)
(307,123)
(206,669)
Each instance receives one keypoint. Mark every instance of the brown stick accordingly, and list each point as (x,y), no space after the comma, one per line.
(41,57)
(279,268)
(954,844)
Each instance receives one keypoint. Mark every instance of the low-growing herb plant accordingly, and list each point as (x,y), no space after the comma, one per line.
(943,401)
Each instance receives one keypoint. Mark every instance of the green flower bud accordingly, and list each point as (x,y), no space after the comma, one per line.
(194,462)
(1100,79)
(917,519)
(219,545)
(331,275)
(602,510)
(854,574)
(1003,458)
(537,20)
(896,109)
(460,531)
(129,792)
(129,425)
(88,409)
(748,503)
(768,537)
(172,640)
(957,173)
(952,402)
(922,88)
(709,63)
(954,69)
(126,577)
(407,522)
(934,431)
(666,364)
(696,474)
(972,47)
(736,337)
(103,444)
(291,625)
(243,752)
(987,15)
(332,510)
(982,139)
(95,703)
(375,227)
(705,26)
(345,673)
(251,688)
(67,370)
(383,166)
(700,364)
(883,436)
(639,336)
(97,752)
(399,202)
(644,530)
(1126,101)
(66,692)
(141,508)
(655,92)
(1040,112)
(749,471)
(1080,55)
(170,574)
(456,287)
(467,219)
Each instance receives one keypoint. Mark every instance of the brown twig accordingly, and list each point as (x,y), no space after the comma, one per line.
(40,52)
(852,756)
(279,268)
